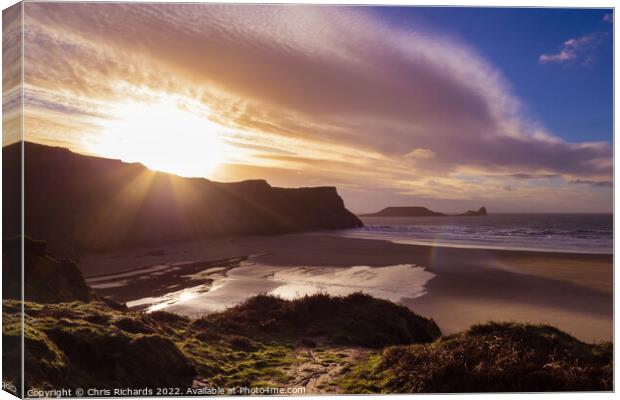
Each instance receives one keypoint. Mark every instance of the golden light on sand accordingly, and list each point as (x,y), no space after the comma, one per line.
(165,136)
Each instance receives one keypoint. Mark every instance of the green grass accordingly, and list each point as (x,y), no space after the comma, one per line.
(364,378)
(94,345)
(261,342)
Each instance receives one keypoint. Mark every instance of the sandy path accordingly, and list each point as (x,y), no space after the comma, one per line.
(317,369)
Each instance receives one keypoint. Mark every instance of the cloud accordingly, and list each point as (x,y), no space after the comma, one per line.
(533,176)
(325,83)
(580,48)
(608,18)
(11,74)
(423,154)
(605,184)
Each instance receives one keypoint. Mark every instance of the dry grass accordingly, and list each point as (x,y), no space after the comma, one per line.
(357,319)
(492,357)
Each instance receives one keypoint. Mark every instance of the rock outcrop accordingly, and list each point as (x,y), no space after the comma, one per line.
(47,280)
(421,212)
(81,204)
(405,212)
(481,211)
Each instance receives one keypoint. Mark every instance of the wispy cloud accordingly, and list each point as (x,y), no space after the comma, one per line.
(11,74)
(354,101)
(605,184)
(579,49)
(423,154)
(608,18)
(533,176)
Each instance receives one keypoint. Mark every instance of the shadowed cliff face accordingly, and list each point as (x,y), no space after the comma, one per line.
(82,204)
(46,279)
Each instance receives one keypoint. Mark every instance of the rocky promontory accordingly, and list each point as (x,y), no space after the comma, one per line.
(421,212)
(80,204)
(481,211)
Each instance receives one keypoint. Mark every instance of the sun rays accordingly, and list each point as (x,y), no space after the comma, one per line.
(166,136)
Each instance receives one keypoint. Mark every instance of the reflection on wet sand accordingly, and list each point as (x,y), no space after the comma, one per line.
(200,288)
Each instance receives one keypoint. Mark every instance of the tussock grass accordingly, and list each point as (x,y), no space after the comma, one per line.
(493,357)
(354,320)
(91,344)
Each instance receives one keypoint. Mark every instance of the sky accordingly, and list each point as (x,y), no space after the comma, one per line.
(449,108)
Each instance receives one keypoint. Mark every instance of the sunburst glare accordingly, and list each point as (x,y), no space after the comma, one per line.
(166,136)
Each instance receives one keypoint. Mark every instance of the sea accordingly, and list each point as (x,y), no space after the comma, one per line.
(568,233)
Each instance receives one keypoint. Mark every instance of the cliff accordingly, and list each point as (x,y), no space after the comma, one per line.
(81,204)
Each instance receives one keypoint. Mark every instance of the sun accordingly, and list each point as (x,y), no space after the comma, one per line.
(164,137)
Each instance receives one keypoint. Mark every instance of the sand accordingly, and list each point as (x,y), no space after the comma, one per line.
(570,291)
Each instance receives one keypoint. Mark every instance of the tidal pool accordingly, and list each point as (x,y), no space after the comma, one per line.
(393,282)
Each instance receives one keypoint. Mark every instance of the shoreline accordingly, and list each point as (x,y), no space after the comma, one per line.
(413,242)
(570,291)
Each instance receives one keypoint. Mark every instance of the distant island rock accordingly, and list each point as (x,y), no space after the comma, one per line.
(470,213)
(404,212)
(421,212)
(81,204)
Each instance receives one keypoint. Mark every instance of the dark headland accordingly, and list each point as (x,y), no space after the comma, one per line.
(421,212)
(81,204)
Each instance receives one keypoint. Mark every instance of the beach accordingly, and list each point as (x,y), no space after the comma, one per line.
(457,287)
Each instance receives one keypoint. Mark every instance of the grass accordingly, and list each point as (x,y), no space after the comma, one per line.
(354,320)
(93,345)
(80,344)
(494,357)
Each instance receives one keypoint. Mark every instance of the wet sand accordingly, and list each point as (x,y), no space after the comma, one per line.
(200,296)
(570,291)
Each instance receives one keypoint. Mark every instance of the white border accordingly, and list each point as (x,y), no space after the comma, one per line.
(469,3)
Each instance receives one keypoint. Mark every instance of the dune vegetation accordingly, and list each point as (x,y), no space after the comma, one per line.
(492,357)
(377,347)
(254,344)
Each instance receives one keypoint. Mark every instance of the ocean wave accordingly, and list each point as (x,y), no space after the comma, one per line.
(551,232)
